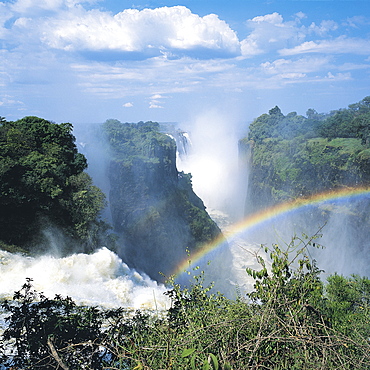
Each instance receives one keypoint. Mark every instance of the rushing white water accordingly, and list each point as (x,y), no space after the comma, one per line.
(100,279)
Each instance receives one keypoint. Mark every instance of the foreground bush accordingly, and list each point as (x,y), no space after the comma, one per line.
(290,321)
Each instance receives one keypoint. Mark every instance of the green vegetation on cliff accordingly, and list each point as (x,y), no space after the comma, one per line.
(43,186)
(153,206)
(140,140)
(294,155)
(352,122)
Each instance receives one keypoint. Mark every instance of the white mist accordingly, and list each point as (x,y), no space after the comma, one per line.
(214,164)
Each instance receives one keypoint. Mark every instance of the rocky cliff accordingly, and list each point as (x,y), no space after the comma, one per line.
(154,209)
(294,156)
(297,157)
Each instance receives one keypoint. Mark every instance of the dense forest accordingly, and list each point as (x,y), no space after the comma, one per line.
(44,189)
(295,156)
(293,319)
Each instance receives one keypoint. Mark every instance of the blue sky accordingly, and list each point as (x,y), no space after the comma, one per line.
(87,61)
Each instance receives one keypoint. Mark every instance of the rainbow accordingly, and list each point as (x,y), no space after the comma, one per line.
(269,214)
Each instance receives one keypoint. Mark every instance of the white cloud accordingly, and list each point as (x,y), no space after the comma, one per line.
(153,105)
(155,101)
(9,101)
(357,21)
(270,32)
(292,76)
(338,76)
(109,58)
(148,30)
(353,66)
(5,14)
(156,96)
(274,18)
(23,6)
(302,65)
(340,45)
(158,78)
(300,15)
(323,28)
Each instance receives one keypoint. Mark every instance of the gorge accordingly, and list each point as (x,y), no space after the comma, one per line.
(240,239)
(160,213)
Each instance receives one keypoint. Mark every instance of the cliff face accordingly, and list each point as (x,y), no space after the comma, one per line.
(295,156)
(282,170)
(154,209)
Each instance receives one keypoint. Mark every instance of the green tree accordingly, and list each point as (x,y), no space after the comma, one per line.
(42,183)
(348,304)
(351,122)
(51,333)
(276,125)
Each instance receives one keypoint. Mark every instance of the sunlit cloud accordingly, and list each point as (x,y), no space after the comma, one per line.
(5,14)
(153,105)
(340,45)
(357,21)
(156,96)
(9,101)
(292,75)
(63,49)
(35,6)
(302,65)
(353,66)
(271,32)
(338,76)
(148,31)
(130,78)
(324,28)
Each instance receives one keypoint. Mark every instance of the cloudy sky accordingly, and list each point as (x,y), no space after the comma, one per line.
(86,61)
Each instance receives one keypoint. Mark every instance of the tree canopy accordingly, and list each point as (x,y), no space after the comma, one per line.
(295,156)
(42,183)
(351,122)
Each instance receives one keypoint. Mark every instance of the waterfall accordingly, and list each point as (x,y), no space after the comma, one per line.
(220,170)
(182,140)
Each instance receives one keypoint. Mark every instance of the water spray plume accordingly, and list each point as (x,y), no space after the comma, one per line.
(273,213)
(213,161)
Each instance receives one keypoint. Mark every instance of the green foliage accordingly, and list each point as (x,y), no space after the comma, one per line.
(346,123)
(136,140)
(303,167)
(294,156)
(291,321)
(293,281)
(202,228)
(45,334)
(276,125)
(42,183)
(349,304)
(353,122)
